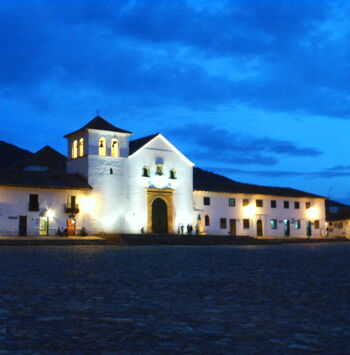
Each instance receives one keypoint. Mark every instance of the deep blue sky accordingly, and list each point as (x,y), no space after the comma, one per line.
(256,90)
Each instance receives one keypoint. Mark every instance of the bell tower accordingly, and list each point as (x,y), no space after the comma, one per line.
(99,151)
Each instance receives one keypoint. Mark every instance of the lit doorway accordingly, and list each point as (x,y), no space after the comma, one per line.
(44,226)
(71,226)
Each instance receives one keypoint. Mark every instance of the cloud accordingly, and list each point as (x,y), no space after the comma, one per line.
(156,52)
(339,168)
(206,142)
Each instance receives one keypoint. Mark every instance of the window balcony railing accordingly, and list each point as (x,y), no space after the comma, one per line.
(72,209)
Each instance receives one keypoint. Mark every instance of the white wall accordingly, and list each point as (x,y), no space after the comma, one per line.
(14,202)
(158,151)
(219,208)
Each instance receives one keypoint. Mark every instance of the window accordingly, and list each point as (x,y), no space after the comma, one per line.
(71,201)
(286,204)
(145,171)
(102,148)
(206,201)
(273,204)
(81,147)
(115,148)
(245,202)
(172,174)
(245,223)
(307,205)
(207,220)
(231,202)
(317,224)
(223,223)
(159,169)
(259,203)
(75,149)
(71,205)
(297,224)
(33,202)
(273,223)
(296,205)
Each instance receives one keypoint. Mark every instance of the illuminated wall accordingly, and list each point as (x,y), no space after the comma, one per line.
(14,202)
(159,152)
(219,208)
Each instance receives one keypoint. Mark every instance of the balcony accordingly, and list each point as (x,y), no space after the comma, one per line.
(71,209)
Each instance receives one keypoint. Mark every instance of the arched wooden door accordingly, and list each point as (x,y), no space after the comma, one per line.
(159,216)
(259,228)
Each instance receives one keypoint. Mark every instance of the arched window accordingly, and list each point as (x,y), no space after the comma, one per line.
(75,149)
(102,148)
(159,169)
(145,171)
(207,220)
(81,147)
(115,148)
(172,174)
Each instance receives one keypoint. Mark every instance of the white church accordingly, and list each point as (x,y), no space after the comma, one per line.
(109,183)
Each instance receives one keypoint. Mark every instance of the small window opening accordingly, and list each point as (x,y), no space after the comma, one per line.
(115,148)
(102,148)
(81,147)
(75,149)
(172,174)
(159,169)
(145,171)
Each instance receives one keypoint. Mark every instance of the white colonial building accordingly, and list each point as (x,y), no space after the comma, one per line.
(114,185)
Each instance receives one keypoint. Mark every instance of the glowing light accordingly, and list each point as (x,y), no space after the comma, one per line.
(159,181)
(87,204)
(50,213)
(249,211)
(312,212)
(107,221)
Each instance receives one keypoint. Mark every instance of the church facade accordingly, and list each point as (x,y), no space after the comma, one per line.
(116,185)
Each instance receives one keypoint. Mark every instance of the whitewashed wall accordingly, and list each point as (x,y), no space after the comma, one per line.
(219,208)
(159,151)
(14,202)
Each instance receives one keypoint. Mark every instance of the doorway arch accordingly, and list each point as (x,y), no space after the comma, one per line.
(159,216)
(259,228)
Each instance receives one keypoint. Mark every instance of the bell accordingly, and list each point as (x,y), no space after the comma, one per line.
(101,144)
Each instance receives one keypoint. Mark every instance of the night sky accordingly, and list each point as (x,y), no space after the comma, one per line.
(256,90)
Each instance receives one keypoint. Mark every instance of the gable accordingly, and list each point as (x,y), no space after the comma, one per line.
(156,143)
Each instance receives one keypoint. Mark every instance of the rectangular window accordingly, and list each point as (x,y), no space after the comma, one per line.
(297,224)
(307,205)
(296,205)
(273,203)
(206,201)
(71,201)
(245,202)
(246,224)
(286,204)
(273,223)
(223,224)
(317,224)
(259,203)
(33,202)
(231,202)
